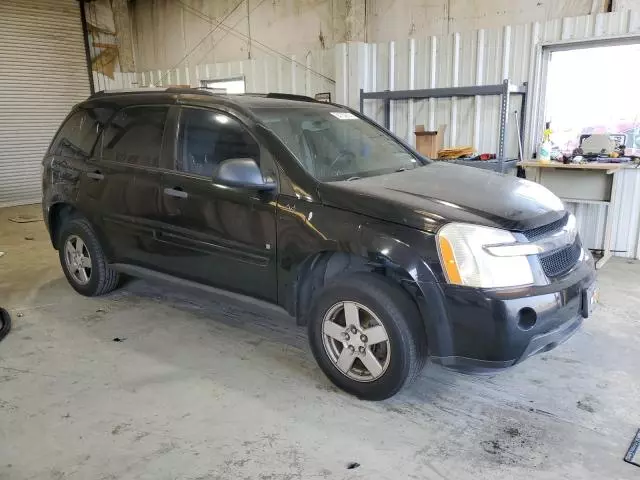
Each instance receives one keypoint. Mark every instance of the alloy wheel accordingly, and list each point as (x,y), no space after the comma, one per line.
(78,259)
(356,341)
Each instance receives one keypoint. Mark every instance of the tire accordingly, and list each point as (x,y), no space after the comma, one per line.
(401,357)
(5,323)
(100,278)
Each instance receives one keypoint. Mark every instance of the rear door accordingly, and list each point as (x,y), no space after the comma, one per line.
(215,234)
(118,181)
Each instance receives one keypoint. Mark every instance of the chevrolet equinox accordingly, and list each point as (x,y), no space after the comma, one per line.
(386,256)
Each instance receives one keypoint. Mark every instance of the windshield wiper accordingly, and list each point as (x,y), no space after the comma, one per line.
(353,178)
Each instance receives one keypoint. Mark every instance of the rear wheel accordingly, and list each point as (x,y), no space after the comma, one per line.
(366,334)
(83,260)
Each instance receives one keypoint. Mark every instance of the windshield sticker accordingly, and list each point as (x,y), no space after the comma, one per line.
(344,115)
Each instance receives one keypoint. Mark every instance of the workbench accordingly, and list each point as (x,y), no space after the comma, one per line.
(591,183)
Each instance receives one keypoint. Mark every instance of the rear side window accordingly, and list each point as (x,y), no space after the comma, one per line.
(77,136)
(209,137)
(135,136)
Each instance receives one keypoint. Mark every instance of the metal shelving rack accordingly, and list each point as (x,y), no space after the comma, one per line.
(504,89)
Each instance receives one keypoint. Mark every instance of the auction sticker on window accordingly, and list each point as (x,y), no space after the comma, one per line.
(344,115)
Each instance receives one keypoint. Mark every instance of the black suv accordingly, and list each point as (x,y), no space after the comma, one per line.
(386,256)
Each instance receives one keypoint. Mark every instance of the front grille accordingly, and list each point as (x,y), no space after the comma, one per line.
(561,260)
(543,231)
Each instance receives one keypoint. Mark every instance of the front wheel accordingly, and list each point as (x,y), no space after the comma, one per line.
(366,334)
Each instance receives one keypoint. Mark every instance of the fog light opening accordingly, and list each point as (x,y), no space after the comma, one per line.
(527,318)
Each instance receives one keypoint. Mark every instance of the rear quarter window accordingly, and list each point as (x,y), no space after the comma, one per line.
(78,134)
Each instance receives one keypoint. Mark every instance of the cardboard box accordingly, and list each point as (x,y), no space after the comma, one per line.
(429,142)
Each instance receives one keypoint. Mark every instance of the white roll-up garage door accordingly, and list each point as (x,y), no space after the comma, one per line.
(43,73)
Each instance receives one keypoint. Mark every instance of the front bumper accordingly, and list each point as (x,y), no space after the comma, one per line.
(491,330)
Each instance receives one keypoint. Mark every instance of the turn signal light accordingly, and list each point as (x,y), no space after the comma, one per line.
(449,261)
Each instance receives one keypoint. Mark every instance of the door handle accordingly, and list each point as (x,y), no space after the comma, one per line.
(176,192)
(97,175)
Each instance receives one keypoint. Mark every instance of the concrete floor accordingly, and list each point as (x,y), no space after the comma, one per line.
(199,389)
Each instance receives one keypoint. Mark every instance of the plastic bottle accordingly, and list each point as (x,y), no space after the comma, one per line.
(544,150)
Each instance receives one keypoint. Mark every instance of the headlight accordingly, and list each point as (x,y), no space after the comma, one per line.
(475,256)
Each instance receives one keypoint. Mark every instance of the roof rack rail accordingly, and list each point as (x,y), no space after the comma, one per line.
(291,96)
(141,90)
(198,90)
(194,90)
(118,91)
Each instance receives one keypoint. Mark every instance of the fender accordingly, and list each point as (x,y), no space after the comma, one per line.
(317,241)
(58,204)
(414,260)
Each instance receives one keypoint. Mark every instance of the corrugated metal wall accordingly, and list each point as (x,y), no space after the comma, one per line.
(626,218)
(302,75)
(478,57)
(43,73)
(485,57)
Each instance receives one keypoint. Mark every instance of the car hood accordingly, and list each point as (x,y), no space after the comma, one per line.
(438,193)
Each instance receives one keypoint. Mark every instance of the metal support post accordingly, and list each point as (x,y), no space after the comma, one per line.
(504,119)
(523,115)
(387,114)
(87,52)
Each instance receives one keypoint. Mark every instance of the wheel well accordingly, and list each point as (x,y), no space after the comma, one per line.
(317,270)
(58,214)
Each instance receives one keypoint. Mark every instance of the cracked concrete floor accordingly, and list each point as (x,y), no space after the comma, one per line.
(200,389)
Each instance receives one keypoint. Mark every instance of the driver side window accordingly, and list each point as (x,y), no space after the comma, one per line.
(208,137)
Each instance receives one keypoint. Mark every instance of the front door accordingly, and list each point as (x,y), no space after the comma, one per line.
(213,234)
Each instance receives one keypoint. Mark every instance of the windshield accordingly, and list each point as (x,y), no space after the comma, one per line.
(333,144)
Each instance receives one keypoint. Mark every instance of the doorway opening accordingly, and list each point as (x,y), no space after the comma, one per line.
(593,90)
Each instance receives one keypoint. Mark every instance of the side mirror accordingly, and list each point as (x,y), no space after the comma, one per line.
(242,173)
